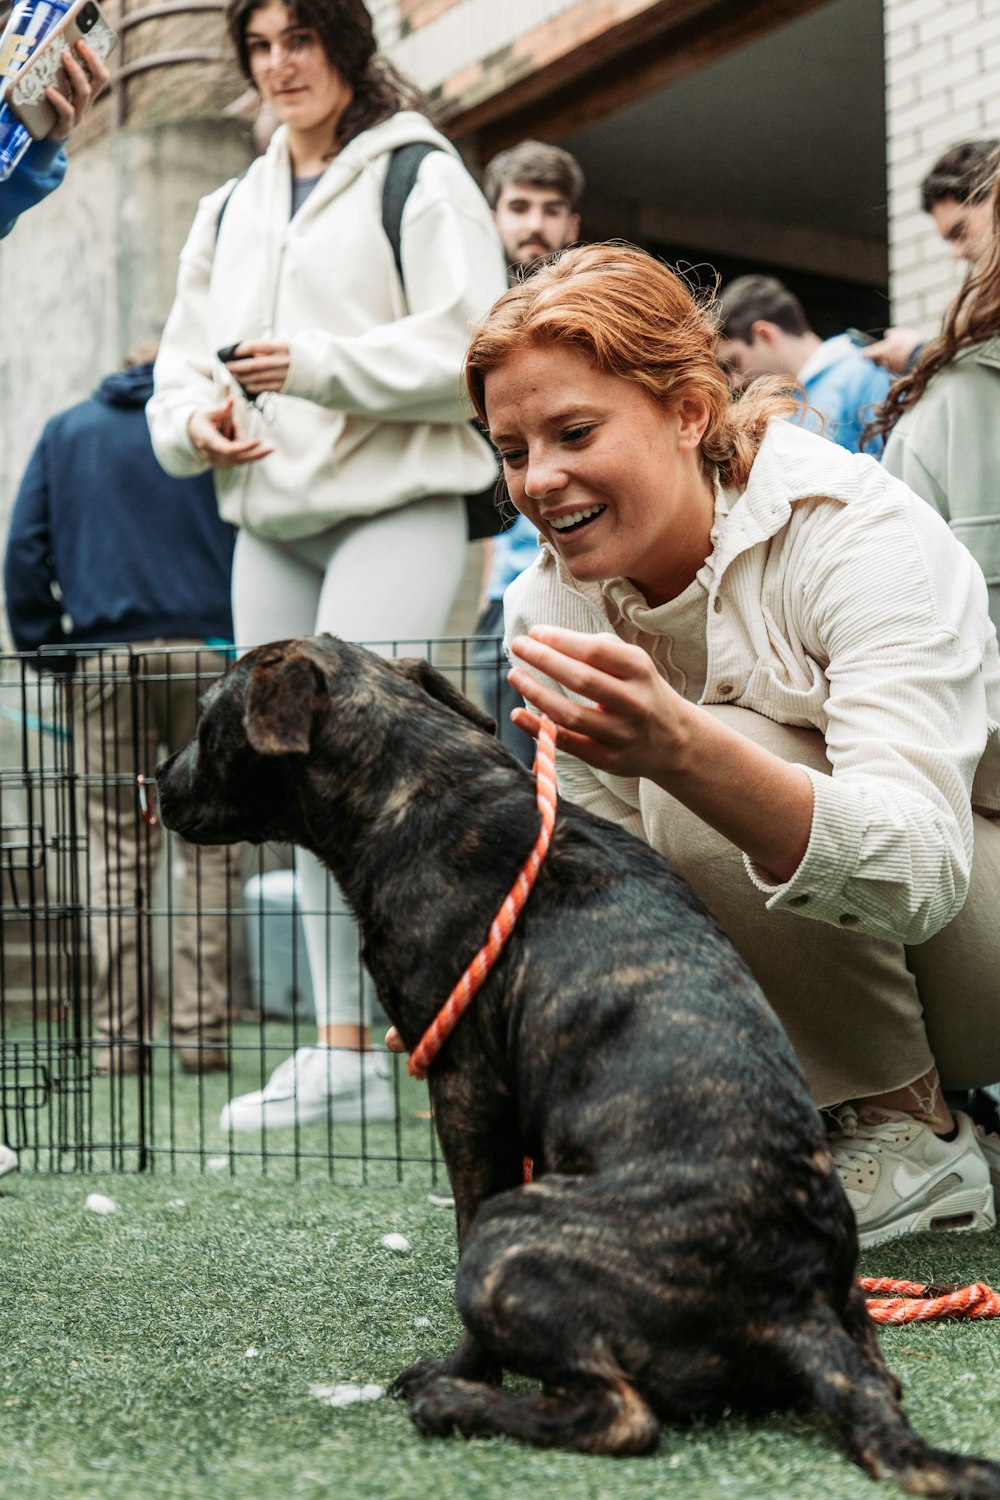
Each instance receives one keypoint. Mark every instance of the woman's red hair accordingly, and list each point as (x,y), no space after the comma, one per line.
(636,319)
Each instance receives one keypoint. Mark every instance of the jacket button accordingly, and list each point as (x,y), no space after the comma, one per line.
(799,900)
(849,919)
(726,690)
(717,606)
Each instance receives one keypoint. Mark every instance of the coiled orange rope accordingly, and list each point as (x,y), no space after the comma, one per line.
(502,926)
(913,1302)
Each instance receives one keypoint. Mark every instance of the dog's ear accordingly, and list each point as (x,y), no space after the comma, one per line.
(282,695)
(437,685)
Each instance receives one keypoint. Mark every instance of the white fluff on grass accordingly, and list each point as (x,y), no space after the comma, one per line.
(99,1204)
(346,1394)
(397,1242)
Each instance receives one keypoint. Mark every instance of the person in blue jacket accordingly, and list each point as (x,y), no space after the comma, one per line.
(43,165)
(763,330)
(105,548)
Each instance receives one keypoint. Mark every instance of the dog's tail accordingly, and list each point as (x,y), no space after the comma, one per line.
(841,1366)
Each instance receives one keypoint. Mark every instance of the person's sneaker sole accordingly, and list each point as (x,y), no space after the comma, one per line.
(967,1209)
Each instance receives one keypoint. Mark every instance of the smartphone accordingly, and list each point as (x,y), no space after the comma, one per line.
(225,355)
(26,92)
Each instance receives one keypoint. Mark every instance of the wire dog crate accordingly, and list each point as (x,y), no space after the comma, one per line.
(144,983)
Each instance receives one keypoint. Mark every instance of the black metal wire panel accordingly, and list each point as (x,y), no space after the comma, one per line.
(126,959)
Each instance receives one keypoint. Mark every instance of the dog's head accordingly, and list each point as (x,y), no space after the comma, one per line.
(315,711)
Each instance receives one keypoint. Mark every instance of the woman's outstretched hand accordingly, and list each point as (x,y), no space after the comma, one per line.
(634,725)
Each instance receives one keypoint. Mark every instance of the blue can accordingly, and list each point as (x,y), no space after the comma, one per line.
(28,23)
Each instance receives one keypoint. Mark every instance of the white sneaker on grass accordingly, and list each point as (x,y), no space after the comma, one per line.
(8,1160)
(901,1178)
(990,1146)
(316,1084)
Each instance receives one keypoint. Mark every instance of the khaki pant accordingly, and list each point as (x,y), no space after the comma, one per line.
(864,1015)
(131,706)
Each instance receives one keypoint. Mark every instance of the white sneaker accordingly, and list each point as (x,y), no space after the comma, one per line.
(8,1160)
(316,1084)
(990,1147)
(901,1178)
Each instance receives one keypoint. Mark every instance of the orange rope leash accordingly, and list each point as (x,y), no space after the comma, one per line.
(912,1302)
(502,926)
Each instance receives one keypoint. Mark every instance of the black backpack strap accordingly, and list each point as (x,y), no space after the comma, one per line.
(482,511)
(225,202)
(400,175)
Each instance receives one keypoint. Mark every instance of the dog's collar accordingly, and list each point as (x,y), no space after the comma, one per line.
(502,926)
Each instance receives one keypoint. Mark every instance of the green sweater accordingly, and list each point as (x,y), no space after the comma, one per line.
(947,448)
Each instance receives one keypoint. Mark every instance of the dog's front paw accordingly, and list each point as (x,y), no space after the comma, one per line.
(431,1413)
(408,1382)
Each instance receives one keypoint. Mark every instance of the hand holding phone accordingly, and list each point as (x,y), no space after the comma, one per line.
(47,69)
(263,365)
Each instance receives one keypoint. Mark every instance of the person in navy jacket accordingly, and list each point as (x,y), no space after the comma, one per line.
(106,549)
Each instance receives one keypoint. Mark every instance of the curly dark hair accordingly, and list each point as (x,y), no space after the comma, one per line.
(963,173)
(973,317)
(345,30)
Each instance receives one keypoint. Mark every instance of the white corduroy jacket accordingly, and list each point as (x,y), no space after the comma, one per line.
(371,415)
(840,601)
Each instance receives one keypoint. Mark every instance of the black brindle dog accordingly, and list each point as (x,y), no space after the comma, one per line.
(686,1245)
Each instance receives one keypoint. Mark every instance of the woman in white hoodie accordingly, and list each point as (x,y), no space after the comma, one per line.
(334,425)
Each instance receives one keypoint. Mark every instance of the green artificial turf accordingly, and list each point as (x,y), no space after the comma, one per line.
(126,1371)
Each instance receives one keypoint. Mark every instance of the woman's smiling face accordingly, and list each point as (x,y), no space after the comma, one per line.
(613,481)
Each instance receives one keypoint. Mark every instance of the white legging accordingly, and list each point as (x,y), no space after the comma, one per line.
(385,579)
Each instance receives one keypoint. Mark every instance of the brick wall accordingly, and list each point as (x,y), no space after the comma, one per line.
(942,65)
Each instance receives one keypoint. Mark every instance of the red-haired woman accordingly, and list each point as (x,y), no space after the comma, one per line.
(768,658)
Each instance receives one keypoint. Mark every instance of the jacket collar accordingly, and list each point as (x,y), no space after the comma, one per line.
(987,353)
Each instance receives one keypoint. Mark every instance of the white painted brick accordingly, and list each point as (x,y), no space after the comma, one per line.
(902,44)
(899,94)
(899,17)
(961,124)
(960,71)
(925,114)
(929,279)
(948,20)
(906,256)
(919,61)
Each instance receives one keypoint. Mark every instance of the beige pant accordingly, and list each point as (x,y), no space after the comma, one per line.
(131,705)
(864,1015)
